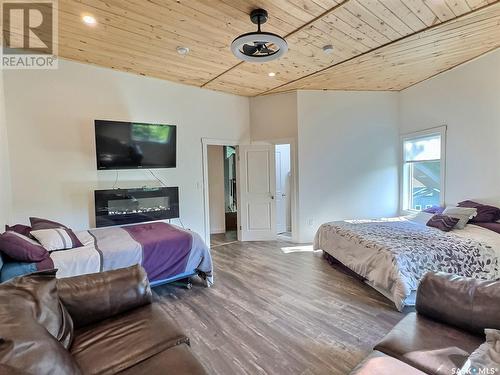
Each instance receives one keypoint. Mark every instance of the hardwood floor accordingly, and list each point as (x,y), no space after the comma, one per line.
(277,312)
(223,238)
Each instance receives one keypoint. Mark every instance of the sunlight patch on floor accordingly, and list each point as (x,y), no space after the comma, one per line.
(299,249)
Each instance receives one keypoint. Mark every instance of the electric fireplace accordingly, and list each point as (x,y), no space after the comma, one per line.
(127,206)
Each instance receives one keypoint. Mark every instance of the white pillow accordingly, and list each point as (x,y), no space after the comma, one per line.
(462,213)
(486,358)
(420,217)
(56,238)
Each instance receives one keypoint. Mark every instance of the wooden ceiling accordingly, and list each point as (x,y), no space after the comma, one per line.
(378,44)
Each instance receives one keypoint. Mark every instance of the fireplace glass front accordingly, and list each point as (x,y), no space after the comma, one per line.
(126,206)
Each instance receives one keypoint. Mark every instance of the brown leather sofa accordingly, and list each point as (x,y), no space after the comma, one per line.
(115,328)
(452,313)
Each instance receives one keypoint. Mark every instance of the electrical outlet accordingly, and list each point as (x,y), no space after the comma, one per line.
(310,222)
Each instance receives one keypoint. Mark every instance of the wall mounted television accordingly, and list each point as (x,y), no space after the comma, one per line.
(133,145)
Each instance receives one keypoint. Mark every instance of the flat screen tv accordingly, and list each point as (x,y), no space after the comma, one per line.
(132,145)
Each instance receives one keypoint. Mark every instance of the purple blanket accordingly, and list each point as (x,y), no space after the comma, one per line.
(165,248)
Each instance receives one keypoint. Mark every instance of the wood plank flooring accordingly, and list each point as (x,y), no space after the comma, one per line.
(272,312)
(223,238)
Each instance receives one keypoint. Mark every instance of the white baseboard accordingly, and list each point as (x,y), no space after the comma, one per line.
(217,231)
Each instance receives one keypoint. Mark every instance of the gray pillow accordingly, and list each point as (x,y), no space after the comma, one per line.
(486,358)
(462,213)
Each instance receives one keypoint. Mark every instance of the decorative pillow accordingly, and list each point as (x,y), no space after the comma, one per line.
(485,213)
(443,222)
(19,228)
(420,217)
(38,224)
(495,227)
(486,358)
(461,213)
(57,238)
(15,269)
(21,248)
(36,328)
(434,210)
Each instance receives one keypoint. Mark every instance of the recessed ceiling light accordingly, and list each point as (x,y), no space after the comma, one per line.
(271,74)
(183,51)
(328,49)
(89,20)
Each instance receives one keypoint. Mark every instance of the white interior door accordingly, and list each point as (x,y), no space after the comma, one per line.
(280,192)
(257,192)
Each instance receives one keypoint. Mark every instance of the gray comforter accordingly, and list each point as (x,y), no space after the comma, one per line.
(393,256)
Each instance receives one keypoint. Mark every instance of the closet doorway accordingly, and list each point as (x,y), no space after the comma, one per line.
(222,194)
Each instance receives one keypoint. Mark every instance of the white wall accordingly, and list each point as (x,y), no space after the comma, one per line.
(216,196)
(348,157)
(273,117)
(50,118)
(5,188)
(467,100)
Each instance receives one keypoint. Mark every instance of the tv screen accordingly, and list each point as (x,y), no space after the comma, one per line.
(131,145)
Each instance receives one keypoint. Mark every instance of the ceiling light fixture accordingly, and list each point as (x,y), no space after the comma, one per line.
(328,49)
(271,74)
(183,51)
(89,20)
(259,46)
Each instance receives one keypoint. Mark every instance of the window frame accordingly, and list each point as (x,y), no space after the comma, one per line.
(439,130)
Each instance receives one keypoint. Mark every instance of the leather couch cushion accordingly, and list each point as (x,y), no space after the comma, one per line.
(429,346)
(380,364)
(32,320)
(125,340)
(463,302)
(177,360)
(40,297)
(92,298)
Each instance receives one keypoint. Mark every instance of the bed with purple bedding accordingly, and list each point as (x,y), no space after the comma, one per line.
(166,252)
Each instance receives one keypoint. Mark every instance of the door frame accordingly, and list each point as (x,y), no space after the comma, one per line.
(205,142)
(294,181)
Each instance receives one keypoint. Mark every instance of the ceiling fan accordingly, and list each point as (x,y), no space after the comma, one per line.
(259,46)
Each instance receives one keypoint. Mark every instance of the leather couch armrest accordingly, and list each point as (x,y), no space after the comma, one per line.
(464,302)
(94,297)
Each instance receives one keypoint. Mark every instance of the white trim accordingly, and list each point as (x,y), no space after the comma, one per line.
(218,231)
(441,130)
(205,142)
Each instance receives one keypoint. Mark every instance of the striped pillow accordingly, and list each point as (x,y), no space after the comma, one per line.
(56,238)
(443,222)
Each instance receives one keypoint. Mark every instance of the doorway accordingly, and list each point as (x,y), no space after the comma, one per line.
(222,194)
(283,190)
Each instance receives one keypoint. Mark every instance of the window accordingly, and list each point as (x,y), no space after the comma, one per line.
(423,169)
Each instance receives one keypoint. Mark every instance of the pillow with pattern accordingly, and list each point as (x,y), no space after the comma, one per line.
(486,358)
(443,222)
(464,214)
(57,238)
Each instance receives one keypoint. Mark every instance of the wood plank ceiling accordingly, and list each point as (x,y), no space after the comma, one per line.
(378,44)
